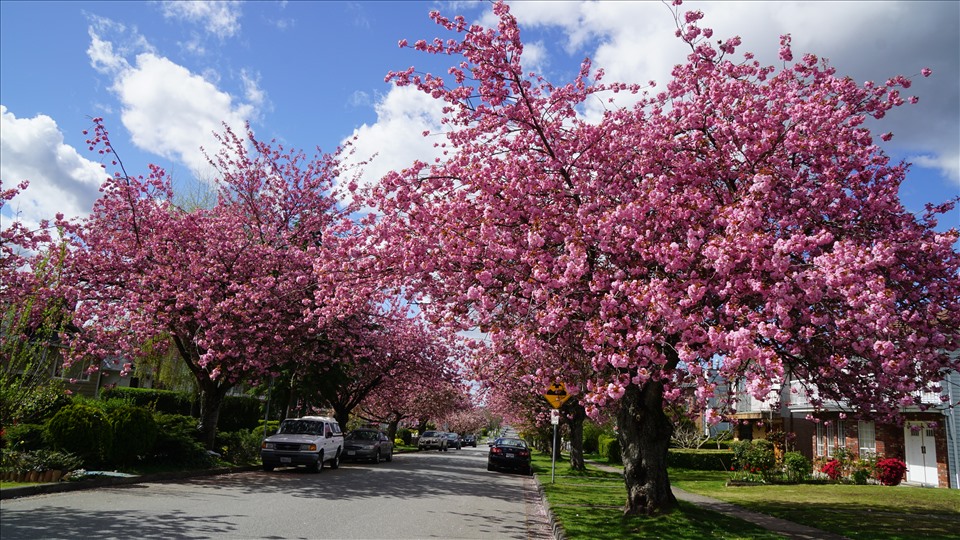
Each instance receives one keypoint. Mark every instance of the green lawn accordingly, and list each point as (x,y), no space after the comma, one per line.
(588,504)
(854,511)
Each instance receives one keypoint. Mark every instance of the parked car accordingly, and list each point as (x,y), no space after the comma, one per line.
(509,454)
(432,439)
(309,441)
(470,440)
(453,440)
(367,443)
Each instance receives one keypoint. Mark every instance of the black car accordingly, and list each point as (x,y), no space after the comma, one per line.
(367,444)
(509,454)
(470,440)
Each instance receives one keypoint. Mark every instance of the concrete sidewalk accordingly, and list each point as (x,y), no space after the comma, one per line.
(783,527)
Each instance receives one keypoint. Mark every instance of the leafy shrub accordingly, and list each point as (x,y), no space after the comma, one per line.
(398,442)
(699,459)
(796,467)
(609,447)
(162,401)
(860,476)
(754,457)
(591,437)
(135,432)
(240,412)
(24,436)
(84,430)
(405,435)
(272,427)
(177,442)
(241,447)
(890,471)
(833,469)
(37,405)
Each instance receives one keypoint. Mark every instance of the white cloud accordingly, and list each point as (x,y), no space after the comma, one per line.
(170,111)
(396,139)
(61,180)
(219,18)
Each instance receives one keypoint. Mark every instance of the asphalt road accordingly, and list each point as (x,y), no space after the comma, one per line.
(419,495)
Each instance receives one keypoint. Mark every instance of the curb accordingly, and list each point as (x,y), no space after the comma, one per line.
(555,526)
(92,483)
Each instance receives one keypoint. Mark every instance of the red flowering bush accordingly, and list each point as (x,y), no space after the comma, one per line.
(890,471)
(833,469)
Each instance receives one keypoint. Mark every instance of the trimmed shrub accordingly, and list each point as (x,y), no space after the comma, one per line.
(754,457)
(84,430)
(591,437)
(699,459)
(240,412)
(161,401)
(796,467)
(135,432)
(890,471)
(24,437)
(405,436)
(609,447)
(177,442)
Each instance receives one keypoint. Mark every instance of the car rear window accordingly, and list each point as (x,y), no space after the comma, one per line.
(429,433)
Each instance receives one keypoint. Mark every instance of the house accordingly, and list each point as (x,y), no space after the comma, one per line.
(927,441)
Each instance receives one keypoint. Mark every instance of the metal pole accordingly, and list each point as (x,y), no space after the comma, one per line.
(553,456)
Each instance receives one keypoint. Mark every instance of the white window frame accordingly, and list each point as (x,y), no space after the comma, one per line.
(867,438)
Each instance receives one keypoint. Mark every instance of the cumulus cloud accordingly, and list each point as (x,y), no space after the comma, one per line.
(396,139)
(61,180)
(219,18)
(168,110)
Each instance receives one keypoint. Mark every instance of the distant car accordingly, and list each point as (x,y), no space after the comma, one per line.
(453,441)
(367,444)
(309,441)
(432,439)
(470,440)
(509,454)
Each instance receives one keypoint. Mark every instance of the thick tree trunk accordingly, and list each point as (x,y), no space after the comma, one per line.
(644,433)
(578,415)
(211,399)
(392,427)
(341,415)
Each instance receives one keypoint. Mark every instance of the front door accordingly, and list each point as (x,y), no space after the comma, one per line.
(921,451)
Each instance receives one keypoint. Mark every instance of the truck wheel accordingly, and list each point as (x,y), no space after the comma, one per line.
(335,464)
(318,466)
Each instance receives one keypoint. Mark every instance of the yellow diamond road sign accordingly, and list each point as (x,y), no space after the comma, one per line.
(556,395)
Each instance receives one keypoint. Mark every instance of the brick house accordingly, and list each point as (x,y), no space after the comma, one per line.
(927,441)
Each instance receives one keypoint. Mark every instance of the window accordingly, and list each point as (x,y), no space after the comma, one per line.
(867,439)
(831,439)
(77,372)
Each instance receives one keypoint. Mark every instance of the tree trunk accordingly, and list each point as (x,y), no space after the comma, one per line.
(392,427)
(341,415)
(578,415)
(644,434)
(211,399)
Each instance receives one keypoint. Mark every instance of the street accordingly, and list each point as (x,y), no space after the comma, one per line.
(418,495)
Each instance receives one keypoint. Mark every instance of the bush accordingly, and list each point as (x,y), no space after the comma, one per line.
(241,447)
(796,467)
(24,437)
(699,459)
(39,404)
(240,412)
(406,436)
(890,471)
(833,469)
(135,432)
(272,427)
(84,430)
(177,443)
(754,457)
(591,437)
(161,401)
(609,447)
(398,442)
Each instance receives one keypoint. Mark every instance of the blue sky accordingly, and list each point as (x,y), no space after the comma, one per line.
(164,75)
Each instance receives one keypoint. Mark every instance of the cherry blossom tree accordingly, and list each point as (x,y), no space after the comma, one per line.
(741,217)
(233,287)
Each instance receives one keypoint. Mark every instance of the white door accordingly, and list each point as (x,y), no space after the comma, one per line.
(921,453)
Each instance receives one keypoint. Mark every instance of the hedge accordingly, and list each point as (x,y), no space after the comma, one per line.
(610,448)
(700,459)
(161,401)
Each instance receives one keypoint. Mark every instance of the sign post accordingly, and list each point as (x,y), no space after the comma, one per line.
(556,395)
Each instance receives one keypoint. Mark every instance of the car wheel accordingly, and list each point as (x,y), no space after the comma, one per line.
(335,464)
(376,458)
(318,466)
(489,467)
(268,468)
(529,471)
(390,455)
